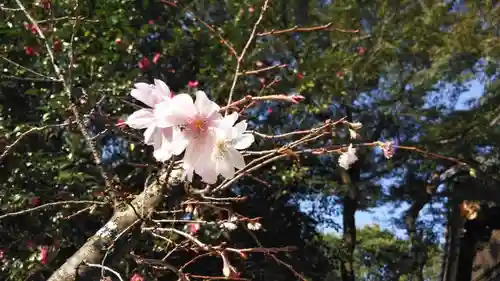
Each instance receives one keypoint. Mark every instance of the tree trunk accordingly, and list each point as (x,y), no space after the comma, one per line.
(418,249)
(452,250)
(92,251)
(350,204)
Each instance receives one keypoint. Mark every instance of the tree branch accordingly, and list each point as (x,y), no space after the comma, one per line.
(92,250)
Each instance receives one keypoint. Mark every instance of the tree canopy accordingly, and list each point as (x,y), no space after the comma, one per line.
(318,82)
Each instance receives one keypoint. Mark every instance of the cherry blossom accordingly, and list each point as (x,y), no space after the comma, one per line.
(224,154)
(388,149)
(157,96)
(254,225)
(197,121)
(348,158)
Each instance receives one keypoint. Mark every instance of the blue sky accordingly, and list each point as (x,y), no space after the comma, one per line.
(384,215)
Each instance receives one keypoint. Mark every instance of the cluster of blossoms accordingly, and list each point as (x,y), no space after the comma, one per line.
(176,124)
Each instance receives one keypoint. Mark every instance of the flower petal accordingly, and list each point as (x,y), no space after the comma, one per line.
(178,112)
(236,158)
(241,127)
(141,119)
(179,141)
(224,167)
(161,89)
(204,106)
(152,136)
(144,93)
(243,141)
(207,173)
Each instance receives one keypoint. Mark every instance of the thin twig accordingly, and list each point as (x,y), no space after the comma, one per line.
(105,268)
(243,52)
(28,69)
(208,26)
(306,29)
(23,135)
(67,88)
(52,204)
(264,69)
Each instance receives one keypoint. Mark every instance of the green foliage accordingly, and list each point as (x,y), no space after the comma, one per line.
(401,75)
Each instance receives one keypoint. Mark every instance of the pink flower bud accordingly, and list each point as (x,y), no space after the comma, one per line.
(43,254)
(35,201)
(193,84)
(297,99)
(156,58)
(360,50)
(118,41)
(57,46)
(151,22)
(194,227)
(121,123)
(46,4)
(300,76)
(30,51)
(144,64)
(136,277)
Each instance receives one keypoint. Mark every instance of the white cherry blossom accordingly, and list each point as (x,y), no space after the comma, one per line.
(224,155)
(254,225)
(156,96)
(348,158)
(197,121)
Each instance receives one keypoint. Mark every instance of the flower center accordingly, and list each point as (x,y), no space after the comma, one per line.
(221,148)
(199,125)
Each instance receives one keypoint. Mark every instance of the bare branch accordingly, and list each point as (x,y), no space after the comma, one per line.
(307,29)
(23,135)
(48,205)
(243,53)
(122,219)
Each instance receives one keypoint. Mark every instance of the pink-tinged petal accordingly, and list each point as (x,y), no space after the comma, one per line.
(143,86)
(180,111)
(141,119)
(204,106)
(236,158)
(152,135)
(161,89)
(145,96)
(188,172)
(243,141)
(207,173)
(163,153)
(179,141)
(192,154)
(225,167)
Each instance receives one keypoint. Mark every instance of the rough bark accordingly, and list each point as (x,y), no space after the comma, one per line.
(93,250)
(349,236)
(452,249)
(418,248)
